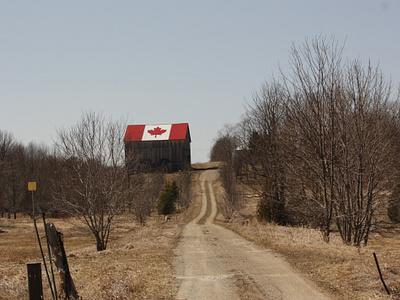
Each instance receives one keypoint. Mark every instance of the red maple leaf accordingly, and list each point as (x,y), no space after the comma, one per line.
(157,131)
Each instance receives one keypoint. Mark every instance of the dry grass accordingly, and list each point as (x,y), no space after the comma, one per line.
(346,272)
(137,263)
(209,165)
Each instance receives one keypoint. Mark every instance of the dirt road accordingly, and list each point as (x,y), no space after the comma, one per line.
(215,263)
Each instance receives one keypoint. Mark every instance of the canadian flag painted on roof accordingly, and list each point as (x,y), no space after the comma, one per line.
(164,132)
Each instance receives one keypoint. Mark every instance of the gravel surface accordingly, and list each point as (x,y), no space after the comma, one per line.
(215,263)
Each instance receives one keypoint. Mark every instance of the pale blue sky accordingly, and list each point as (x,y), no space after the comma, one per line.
(158,62)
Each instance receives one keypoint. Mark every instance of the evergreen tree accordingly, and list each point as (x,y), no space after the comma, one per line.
(167,199)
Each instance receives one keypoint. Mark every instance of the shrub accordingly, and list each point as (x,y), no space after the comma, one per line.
(167,199)
(271,207)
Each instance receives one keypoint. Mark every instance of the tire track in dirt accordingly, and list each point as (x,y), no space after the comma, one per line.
(207,212)
(215,263)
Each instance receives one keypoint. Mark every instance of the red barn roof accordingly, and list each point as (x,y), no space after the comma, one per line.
(165,132)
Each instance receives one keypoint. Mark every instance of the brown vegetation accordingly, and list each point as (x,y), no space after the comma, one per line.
(319,145)
(136,265)
(345,272)
(138,261)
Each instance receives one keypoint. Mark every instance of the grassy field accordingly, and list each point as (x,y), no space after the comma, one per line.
(136,265)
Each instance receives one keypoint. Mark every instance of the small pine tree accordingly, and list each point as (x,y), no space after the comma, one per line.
(167,199)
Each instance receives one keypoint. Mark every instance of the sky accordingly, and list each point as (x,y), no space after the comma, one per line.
(168,61)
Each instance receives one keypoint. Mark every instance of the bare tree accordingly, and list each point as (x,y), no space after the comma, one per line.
(184,182)
(340,139)
(265,118)
(7,143)
(224,150)
(17,180)
(313,89)
(37,164)
(320,145)
(137,199)
(231,199)
(93,180)
(367,160)
(143,194)
(224,146)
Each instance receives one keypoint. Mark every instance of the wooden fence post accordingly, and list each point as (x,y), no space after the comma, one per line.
(60,259)
(35,281)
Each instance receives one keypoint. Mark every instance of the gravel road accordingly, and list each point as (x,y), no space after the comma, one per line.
(215,263)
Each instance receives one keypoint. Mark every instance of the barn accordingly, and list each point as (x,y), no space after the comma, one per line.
(164,148)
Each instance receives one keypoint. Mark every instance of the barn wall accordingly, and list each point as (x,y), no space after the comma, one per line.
(169,156)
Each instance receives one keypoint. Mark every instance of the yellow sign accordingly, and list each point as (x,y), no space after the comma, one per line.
(31,186)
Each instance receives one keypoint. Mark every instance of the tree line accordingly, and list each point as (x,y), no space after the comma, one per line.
(18,165)
(83,175)
(319,145)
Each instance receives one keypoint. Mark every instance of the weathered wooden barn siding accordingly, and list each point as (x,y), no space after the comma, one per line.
(170,156)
